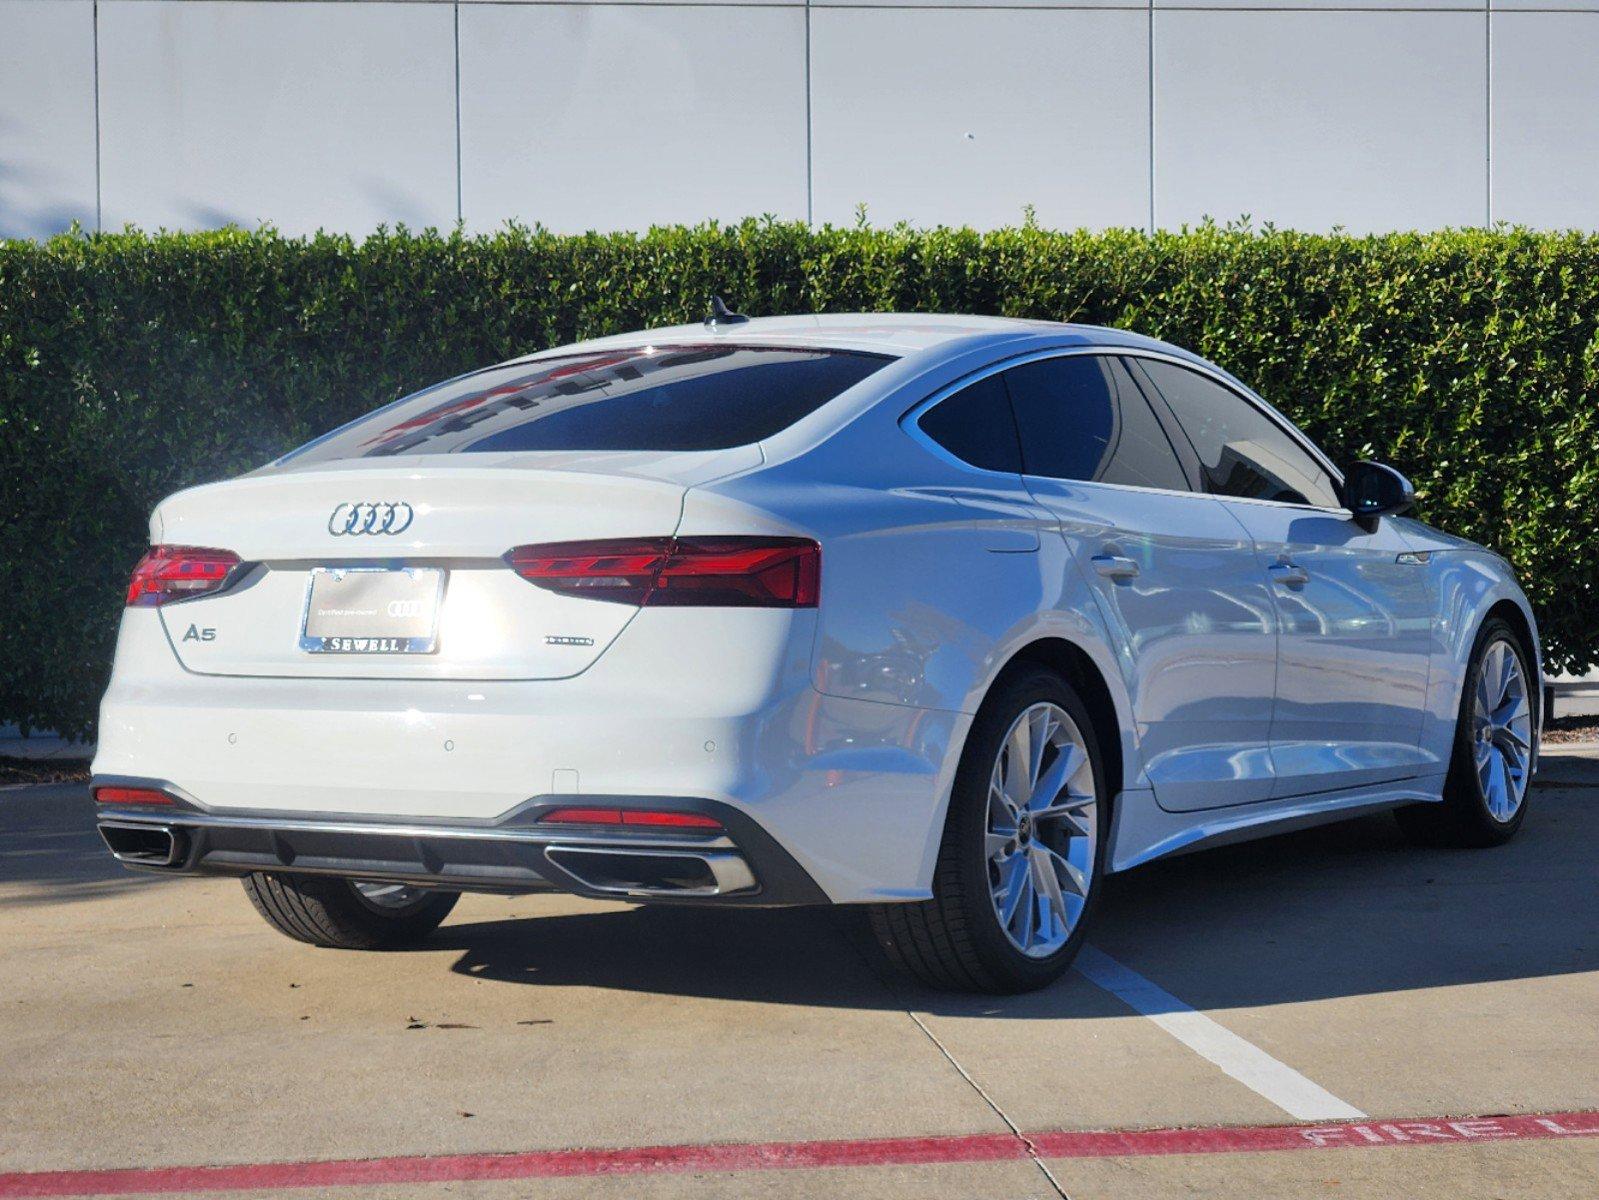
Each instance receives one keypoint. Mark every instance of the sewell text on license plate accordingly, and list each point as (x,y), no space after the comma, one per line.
(372,610)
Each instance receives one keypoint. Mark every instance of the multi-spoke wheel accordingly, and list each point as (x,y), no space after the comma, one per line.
(1501,729)
(1043,830)
(1022,851)
(346,913)
(1485,794)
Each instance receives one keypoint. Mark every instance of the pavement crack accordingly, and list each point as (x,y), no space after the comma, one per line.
(854,940)
(1016,1131)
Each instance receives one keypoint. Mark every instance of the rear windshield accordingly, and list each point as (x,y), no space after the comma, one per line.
(637,398)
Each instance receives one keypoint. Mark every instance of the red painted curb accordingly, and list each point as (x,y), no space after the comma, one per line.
(1345,1135)
(771,1156)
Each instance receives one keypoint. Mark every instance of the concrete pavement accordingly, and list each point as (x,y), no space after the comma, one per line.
(156,1023)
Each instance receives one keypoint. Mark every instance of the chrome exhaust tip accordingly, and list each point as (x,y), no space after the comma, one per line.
(659,873)
(144,845)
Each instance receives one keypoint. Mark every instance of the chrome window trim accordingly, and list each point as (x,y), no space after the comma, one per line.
(1302,508)
(910,420)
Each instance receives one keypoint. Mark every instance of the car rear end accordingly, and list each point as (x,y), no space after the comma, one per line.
(465,643)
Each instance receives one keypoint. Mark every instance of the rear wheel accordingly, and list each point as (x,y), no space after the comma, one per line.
(1485,792)
(346,914)
(1023,848)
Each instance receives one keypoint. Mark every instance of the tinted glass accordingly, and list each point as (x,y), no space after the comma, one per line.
(635,398)
(1081,417)
(1242,450)
(976,426)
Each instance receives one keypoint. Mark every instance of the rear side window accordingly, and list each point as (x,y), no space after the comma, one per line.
(1082,417)
(684,397)
(1242,451)
(976,426)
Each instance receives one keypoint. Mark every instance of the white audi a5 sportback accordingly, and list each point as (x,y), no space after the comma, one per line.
(949,616)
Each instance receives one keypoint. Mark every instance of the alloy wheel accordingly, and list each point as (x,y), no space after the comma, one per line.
(1042,830)
(1501,729)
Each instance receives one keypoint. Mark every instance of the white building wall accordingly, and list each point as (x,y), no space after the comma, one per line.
(619,116)
(347,114)
(47,123)
(298,114)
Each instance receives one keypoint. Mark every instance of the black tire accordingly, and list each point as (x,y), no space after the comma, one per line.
(327,911)
(954,941)
(1464,819)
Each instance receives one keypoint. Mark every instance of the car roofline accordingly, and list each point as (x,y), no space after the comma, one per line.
(900,335)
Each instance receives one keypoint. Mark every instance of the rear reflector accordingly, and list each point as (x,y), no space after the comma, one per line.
(582,816)
(669,820)
(709,572)
(130,795)
(178,572)
(633,817)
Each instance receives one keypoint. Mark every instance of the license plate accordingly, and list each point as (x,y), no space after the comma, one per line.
(367,610)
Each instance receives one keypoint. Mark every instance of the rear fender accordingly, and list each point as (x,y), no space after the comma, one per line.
(917,620)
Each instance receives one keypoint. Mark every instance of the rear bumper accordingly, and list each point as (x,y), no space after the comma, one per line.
(852,789)
(514,853)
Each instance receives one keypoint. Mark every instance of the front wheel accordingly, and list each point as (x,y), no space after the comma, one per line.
(347,914)
(1490,771)
(1023,848)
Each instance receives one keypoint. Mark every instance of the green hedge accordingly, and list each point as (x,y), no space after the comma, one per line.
(132,365)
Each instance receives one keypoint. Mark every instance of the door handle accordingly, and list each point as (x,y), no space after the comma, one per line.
(1289,574)
(1115,566)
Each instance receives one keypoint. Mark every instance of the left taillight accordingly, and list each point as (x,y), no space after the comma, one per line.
(708,572)
(167,573)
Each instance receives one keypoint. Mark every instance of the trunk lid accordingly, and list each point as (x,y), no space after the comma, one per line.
(290,524)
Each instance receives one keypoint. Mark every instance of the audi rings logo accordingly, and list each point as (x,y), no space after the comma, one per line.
(383,516)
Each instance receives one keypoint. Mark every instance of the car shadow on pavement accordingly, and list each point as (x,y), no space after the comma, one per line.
(1342,910)
(50,852)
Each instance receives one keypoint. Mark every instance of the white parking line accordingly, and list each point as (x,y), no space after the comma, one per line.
(1249,1064)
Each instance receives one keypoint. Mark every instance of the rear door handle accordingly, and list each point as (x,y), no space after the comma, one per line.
(1290,574)
(1115,566)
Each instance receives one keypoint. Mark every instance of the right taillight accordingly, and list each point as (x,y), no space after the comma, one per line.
(712,572)
(167,573)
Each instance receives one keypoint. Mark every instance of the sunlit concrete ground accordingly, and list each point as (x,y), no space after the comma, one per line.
(149,1022)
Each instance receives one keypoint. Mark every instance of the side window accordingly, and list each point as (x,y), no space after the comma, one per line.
(1243,451)
(1081,417)
(976,426)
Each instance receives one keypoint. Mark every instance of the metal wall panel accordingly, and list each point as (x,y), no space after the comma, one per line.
(310,115)
(676,3)
(46,116)
(1546,119)
(1369,114)
(619,116)
(965,116)
(1326,5)
(1544,5)
(1369,120)
(981,4)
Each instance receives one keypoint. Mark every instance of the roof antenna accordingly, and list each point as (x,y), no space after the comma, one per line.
(723,315)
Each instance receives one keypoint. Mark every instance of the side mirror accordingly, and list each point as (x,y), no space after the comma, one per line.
(1373,490)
